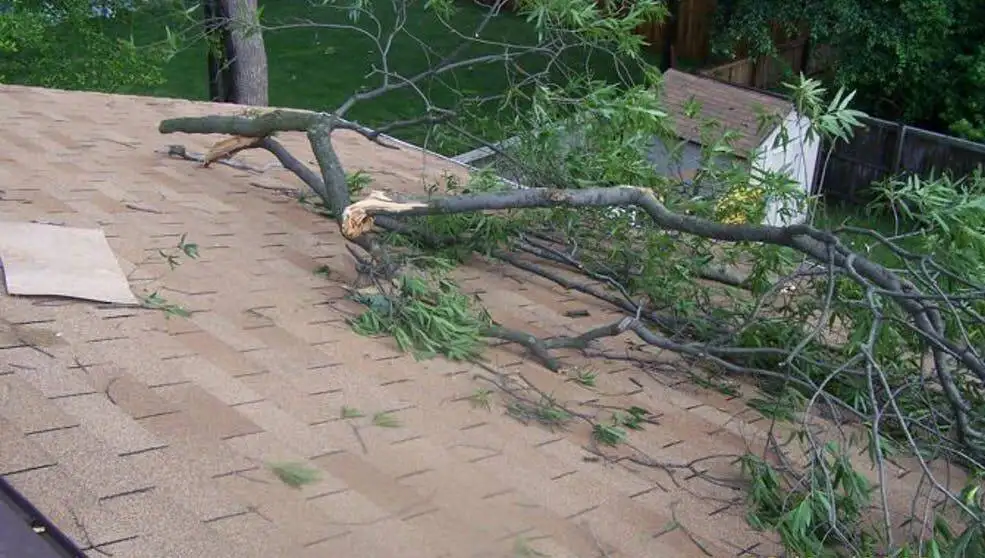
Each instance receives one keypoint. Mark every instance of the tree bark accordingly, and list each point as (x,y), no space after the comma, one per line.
(217,35)
(246,54)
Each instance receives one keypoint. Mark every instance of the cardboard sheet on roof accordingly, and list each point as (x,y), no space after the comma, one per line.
(52,260)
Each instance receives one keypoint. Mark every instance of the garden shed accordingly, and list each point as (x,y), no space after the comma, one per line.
(738,109)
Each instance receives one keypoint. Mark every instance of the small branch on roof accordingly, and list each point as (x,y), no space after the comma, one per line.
(566,257)
(180,152)
(540,348)
(228,147)
(291,163)
(144,208)
(664,322)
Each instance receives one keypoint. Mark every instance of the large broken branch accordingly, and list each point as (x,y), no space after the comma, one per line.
(821,246)
(259,126)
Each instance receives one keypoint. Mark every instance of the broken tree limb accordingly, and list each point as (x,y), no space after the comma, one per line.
(259,126)
(541,347)
(291,163)
(803,238)
(228,147)
(821,246)
(179,152)
(255,130)
(280,120)
(357,219)
(336,193)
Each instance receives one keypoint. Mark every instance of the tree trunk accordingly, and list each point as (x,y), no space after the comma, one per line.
(246,53)
(217,38)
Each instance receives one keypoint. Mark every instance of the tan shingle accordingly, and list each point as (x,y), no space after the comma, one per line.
(172,528)
(90,462)
(23,405)
(100,416)
(136,547)
(183,482)
(17,453)
(734,108)
(261,536)
(297,518)
(206,453)
(73,509)
(52,378)
(130,395)
(216,418)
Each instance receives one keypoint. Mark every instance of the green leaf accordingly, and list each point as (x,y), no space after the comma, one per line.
(609,435)
(351,413)
(295,474)
(189,248)
(386,420)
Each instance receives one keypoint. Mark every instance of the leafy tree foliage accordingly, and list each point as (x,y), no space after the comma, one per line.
(65,44)
(921,61)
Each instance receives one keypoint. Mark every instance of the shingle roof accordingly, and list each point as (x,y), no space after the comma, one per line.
(735,108)
(143,436)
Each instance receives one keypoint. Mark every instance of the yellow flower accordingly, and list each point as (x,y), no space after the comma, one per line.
(734,207)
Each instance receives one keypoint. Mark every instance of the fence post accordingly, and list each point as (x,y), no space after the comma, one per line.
(667,55)
(898,155)
(805,57)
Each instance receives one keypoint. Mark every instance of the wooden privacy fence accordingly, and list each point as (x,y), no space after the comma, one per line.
(791,59)
(885,149)
(691,31)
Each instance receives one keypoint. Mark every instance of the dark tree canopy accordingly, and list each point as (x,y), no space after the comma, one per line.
(921,61)
(66,44)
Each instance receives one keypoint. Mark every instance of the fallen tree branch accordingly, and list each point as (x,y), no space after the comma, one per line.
(256,126)
(541,347)
(667,323)
(823,247)
(180,152)
(541,249)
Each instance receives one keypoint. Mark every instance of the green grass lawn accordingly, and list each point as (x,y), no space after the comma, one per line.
(833,214)
(317,68)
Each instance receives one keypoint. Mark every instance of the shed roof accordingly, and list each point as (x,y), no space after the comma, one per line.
(735,108)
